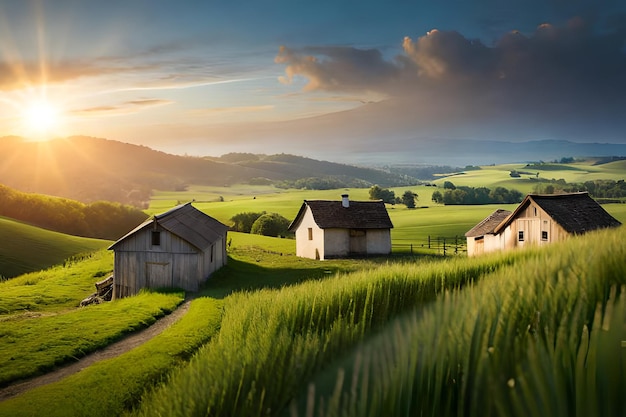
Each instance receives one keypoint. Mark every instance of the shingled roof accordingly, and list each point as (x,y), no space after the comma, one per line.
(188,223)
(577,213)
(358,215)
(489,224)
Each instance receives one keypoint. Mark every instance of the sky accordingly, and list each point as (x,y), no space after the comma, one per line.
(323,79)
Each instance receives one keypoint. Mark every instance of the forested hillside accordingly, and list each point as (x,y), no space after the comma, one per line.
(101,219)
(91,169)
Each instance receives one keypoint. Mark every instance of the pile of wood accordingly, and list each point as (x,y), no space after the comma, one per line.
(104,292)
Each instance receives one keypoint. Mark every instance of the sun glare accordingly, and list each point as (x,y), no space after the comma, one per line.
(40,116)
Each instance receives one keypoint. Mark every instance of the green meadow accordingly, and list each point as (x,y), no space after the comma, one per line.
(26,248)
(529,332)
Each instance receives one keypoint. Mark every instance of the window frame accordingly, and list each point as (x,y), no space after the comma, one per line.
(156,238)
(520,236)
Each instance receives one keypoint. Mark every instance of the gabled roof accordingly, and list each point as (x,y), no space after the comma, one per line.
(186,222)
(577,213)
(489,224)
(358,215)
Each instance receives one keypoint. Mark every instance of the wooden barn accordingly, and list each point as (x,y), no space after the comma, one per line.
(482,237)
(337,229)
(177,249)
(542,219)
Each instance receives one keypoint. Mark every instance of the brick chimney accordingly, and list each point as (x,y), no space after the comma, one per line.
(344,200)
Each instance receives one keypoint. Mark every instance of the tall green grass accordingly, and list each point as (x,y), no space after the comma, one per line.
(474,350)
(544,337)
(272,341)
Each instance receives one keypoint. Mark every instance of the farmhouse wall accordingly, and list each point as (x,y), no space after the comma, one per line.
(378,241)
(309,248)
(336,243)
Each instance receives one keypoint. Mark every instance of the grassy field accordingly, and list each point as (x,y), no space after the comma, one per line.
(498,175)
(272,325)
(522,333)
(30,248)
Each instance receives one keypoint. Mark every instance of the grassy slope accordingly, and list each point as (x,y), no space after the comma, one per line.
(272,342)
(27,248)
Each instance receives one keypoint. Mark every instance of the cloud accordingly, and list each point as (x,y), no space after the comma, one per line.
(336,68)
(128,107)
(21,74)
(549,82)
(553,61)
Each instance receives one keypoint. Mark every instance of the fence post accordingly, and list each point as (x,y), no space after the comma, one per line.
(411,249)
(444,246)
(428,241)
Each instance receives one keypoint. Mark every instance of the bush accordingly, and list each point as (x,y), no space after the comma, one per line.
(272,224)
(242,222)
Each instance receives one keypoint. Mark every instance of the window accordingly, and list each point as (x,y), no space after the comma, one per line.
(310,233)
(520,235)
(535,211)
(544,235)
(156,238)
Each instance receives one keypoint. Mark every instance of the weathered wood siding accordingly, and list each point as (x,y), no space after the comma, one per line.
(477,245)
(537,226)
(173,263)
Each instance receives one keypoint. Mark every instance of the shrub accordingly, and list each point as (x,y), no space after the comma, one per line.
(272,224)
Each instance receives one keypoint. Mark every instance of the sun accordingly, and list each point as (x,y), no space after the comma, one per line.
(41,117)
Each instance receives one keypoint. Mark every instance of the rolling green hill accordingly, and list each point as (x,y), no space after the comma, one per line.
(91,169)
(25,248)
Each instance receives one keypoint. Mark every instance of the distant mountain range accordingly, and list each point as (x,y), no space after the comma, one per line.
(89,169)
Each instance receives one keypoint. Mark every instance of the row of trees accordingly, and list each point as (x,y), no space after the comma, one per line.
(453,195)
(596,188)
(101,219)
(260,223)
(389,197)
(329,182)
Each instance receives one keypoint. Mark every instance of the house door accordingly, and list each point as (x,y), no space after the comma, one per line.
(358,242)
(159,275)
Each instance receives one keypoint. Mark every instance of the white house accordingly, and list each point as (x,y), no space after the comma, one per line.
(540,219)
(179,248)
(336,229)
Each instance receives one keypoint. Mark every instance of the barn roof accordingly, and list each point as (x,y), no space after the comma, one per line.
(577,213)
(358,215)
(186,222)
(488,224)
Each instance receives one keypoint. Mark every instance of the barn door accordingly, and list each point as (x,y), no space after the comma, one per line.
(159,275)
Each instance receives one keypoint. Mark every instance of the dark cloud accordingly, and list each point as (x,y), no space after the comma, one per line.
(335,68)
(550,60)
(555,78)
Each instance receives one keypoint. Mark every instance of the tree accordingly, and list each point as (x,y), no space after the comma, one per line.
(272,224)
(384,194)
(408,199)
(243,221)
(447,185)
(437,197)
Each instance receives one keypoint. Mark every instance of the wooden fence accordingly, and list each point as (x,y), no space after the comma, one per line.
(440,245)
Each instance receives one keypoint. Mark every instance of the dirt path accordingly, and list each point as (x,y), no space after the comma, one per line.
(111,351)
